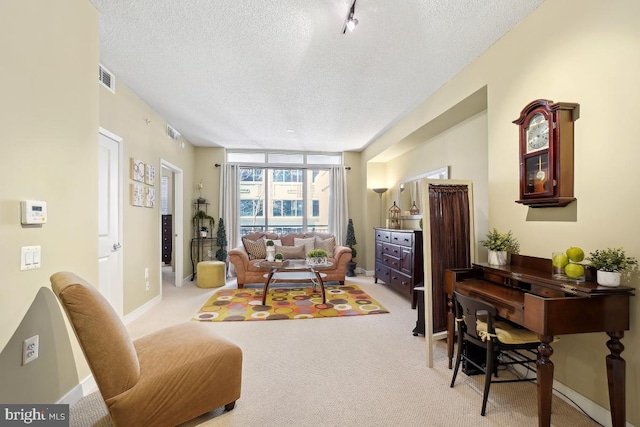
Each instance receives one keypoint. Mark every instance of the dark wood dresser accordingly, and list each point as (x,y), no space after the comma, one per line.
(399,261)
(167,239)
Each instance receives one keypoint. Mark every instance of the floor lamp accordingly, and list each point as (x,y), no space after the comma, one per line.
(380,191)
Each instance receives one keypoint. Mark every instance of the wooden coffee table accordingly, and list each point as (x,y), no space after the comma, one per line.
(295,271)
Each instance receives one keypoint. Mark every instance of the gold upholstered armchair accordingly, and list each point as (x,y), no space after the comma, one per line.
(162,379)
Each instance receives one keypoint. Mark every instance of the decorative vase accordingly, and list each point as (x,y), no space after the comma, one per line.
(203,234)
(608,278)
(498,258)
(271,252)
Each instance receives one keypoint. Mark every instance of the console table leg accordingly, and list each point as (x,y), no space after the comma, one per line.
(616,378)
(544,366)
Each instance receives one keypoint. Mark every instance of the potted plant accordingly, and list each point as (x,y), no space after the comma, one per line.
(221,241)
(317,257)
(351,242)
(500,246)
(271,250)
(279,257)
(199,187)
(200,219)
(609,263)
(203,231)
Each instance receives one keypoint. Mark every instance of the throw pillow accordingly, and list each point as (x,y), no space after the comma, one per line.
(309,243)
(326,244)
(256,249)
(291,252)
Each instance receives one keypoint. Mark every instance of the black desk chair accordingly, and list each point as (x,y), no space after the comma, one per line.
(505,343)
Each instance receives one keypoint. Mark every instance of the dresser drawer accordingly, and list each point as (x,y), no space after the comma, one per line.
(391,261)
(392,250)
(401,281)
(383,236)
(382,272)
(404,239)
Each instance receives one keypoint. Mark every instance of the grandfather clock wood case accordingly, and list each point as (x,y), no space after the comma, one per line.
(546,153)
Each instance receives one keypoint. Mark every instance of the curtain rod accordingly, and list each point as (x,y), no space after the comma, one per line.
(346,167)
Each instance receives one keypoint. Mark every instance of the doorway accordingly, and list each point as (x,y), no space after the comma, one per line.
(172,223)
(110,279)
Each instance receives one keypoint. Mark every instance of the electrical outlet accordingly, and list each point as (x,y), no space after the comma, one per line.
(146,273)
(147,285)
(30,348)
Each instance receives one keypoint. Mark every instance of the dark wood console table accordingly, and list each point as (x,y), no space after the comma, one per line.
(525,293)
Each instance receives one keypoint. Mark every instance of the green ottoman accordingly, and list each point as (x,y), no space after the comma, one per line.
(210,274)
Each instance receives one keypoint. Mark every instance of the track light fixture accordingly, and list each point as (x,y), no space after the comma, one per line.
(350,22)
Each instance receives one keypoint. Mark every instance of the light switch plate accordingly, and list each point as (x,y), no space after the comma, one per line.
(30,257)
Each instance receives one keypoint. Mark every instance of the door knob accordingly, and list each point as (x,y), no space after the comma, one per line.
(116,246)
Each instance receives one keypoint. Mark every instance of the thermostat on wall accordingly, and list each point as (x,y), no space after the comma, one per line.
(33,212)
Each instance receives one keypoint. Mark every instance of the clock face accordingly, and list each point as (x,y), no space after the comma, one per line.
(537,133)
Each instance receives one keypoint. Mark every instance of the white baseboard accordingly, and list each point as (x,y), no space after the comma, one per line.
(578,401)
(81,390)
(141,310)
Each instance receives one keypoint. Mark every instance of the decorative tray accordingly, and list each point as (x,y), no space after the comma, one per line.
(282,263)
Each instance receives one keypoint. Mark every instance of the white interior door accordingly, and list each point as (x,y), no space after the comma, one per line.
(109,219)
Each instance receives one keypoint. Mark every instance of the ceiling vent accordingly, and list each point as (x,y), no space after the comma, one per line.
(172,133)
(106,78)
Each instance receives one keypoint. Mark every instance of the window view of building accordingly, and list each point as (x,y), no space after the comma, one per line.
(283,200)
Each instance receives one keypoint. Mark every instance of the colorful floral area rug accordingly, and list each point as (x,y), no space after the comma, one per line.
(290,302)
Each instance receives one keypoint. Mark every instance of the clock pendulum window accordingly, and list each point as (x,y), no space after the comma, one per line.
(546,153)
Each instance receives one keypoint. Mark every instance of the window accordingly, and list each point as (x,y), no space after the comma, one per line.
(287,208)
(251,208)
(283,200)
(251,175)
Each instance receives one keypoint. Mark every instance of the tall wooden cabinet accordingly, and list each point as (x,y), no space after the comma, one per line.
(399,261)
(167,239)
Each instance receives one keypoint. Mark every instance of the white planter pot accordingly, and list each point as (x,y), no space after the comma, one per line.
(498,258)
(608,278)
(203,234)
(316,261)
(271,252)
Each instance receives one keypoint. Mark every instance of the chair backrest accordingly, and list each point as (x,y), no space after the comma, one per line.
(472,310)
(105,342)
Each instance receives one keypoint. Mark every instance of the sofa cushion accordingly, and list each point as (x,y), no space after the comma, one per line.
(308,243)
(256,249)
(326,244)
(291,252)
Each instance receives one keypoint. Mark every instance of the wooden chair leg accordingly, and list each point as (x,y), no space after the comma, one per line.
(487,376)
(458,359)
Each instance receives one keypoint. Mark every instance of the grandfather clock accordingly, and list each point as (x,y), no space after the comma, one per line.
(546,153)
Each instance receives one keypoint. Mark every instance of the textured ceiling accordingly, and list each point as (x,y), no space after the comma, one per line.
(281,75)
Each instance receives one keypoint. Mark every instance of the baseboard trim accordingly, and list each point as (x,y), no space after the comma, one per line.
(578,401)
(141,310)
(81,390)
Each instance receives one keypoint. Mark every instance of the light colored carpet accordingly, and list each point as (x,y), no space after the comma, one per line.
(358,371)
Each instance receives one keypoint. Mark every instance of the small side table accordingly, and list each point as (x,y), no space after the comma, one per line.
(419,329)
